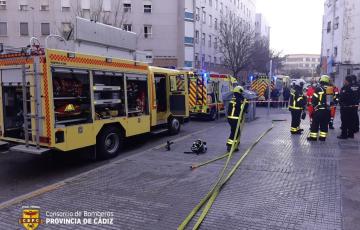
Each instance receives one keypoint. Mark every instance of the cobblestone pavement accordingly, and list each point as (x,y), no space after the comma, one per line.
(285,183)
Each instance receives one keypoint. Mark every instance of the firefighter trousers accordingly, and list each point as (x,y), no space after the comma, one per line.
(320,122)
(348,117)
(295,120)
(332,114)
(356,121)
(231,140)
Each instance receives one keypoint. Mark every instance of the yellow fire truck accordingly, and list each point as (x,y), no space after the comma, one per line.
(53,99)
(206,91)
(260,85)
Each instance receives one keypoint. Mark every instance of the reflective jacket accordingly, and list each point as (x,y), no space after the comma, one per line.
(332,94)
(309,93)
(297,100)
(234,109)
(319,100)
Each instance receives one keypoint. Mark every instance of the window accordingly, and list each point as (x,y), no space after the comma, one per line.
(215,61)
(210,40)
(24,29)
(45,28)
(127,27)
(65,5)
(23,5)
(336,23)
(197,37)
(197,14)
(147,31)
(3,5)
(216,23)
(127,7)
(106,6)
(3,29)
(210,20)
(203,16)
(216,43)
(44,5)
(335,51)
(203,38)
(328,29)
(147,8)
(210,2)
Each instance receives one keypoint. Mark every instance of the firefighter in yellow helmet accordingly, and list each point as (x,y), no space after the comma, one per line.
(234,112)
(321,111)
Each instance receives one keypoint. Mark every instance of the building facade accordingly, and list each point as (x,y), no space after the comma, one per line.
(305,62)
(341,39)
(208,15)
(173,33)
(262,28)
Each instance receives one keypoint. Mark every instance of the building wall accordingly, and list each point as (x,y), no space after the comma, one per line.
(207,57)
(341,38)
(173,22)
(301,61)
(262,28)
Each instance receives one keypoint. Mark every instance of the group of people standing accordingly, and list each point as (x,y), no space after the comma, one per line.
(321,101)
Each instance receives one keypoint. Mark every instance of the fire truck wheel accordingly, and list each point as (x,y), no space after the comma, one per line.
(213,114)
(109,143)
(174,126)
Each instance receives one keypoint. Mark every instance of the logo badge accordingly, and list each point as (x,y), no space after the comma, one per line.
(30,217)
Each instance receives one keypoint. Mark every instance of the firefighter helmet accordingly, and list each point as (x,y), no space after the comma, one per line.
(299,82)
(199,147)
(238,89)
(325,79)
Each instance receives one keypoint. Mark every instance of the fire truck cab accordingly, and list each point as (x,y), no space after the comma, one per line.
(54,99)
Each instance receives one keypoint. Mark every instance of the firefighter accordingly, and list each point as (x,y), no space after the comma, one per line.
(332,94)
(297,107)
(356,88)
(233,114)
(348,98)
(309,93)
(321,116)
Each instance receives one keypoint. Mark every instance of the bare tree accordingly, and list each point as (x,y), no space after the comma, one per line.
(261,56)
(236,43)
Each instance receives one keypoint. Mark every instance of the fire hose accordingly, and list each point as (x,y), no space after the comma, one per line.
(222,179)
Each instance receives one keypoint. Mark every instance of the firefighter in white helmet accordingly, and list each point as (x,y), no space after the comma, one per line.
(234,112)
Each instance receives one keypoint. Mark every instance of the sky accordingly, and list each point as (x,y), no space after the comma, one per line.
(295,24)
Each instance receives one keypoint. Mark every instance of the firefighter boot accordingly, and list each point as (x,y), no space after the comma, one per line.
(312,136)
(331,124)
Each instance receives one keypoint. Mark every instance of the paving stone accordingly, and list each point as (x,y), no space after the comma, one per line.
(284,183)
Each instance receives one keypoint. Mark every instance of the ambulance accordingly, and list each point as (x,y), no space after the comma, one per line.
(206,93)
(62,100)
